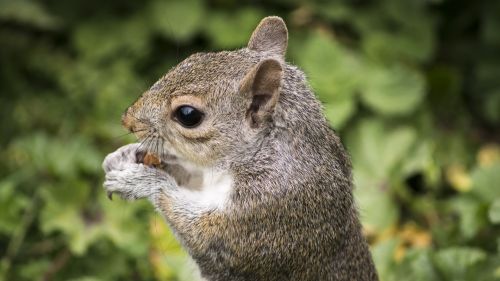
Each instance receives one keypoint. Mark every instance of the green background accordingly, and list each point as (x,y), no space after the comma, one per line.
(412,87)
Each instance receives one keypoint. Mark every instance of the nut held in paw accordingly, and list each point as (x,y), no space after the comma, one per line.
(151,160)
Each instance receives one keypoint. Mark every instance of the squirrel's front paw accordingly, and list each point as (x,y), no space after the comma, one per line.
(134,181)
(124,155)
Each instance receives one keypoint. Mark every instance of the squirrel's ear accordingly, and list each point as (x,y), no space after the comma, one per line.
(262,85)
(270,36)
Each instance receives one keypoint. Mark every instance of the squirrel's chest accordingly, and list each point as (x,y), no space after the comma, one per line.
(209,189)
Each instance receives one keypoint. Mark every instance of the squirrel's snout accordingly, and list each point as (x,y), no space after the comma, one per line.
(128,121)
(135,124)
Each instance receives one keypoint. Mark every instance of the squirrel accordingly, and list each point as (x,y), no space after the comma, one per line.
(255,183)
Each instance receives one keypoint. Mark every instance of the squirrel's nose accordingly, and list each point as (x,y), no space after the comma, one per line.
(128,120)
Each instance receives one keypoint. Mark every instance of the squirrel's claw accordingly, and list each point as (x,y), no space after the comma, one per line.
(110,195)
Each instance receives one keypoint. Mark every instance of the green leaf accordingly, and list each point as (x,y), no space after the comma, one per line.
(179,20)
(125,37)
(377,150)
(377,153)
(486,182)
(339,110)
(471,215)
(491,24)
(12,204)
(55,156)
(383,257)
(232,30)
(340,77)
(336,11)
(491,105)
(494,212)
(28,12)
(126,233)
(86,279)
(395,31)
(419,159)
(392,90)
(34,269)
(337,82)
(455,263)
(417,265)
(377,209)
(62,213)
(103,262)
(415,43)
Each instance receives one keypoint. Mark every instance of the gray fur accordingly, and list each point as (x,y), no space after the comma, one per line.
(291,213)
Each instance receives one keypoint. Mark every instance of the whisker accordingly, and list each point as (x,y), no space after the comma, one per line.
(142,143)
(153,145)
(133,132)
(121,136)
(140,130)
(149,145)
(141,120)
(157,151)
(146,142)
(162,147)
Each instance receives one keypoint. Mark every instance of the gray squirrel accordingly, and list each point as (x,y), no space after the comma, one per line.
(253,181)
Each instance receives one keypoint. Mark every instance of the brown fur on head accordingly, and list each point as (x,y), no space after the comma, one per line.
(236,92)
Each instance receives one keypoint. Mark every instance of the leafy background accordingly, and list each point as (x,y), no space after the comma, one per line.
(413,88)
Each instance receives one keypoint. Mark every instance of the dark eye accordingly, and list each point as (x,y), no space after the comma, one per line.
(188,116)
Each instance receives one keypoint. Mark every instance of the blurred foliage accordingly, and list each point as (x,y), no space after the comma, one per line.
(412,87)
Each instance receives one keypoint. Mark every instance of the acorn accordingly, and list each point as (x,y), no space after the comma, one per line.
(151,160)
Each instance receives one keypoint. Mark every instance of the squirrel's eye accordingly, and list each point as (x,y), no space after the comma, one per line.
(188,116)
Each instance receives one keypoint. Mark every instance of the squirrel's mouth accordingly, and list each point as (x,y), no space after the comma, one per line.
(151,158)
(152,146)
(155,150)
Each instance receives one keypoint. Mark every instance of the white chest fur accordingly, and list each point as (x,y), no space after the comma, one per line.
(214,192)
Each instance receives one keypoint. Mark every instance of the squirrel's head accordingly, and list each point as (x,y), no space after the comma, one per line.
(212,105)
